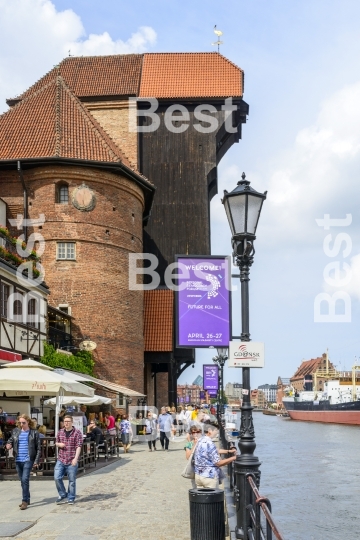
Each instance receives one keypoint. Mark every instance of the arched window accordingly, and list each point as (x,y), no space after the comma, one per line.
(18,307)
(32,312)
(62,193)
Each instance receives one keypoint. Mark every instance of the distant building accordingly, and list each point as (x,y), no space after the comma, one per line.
(233,390)
(270,391)
(188,394)
(257,398)
(282,384)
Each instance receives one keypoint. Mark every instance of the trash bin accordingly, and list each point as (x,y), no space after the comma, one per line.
(207,516)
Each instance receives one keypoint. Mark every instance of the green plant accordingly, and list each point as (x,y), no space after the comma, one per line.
(82,361)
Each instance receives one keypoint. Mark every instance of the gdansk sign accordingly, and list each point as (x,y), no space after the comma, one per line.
(246,354)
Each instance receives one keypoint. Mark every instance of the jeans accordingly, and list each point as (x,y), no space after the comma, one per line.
(164,439)
(59,472)
(23,468)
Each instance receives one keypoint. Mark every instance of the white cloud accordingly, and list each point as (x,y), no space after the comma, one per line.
(34,37)
(103,43)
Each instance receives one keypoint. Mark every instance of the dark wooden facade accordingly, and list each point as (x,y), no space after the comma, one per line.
(183,166)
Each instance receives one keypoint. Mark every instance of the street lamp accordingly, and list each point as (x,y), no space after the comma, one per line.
(243,206)
(220,359)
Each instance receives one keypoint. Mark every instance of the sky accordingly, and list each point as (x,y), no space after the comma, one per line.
(301,143)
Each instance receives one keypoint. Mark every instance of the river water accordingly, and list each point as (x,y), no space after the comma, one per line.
(311,474)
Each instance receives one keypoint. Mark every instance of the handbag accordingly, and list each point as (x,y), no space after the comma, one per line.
(189,471)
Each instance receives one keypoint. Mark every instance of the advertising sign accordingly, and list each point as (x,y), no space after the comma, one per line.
(246,354)
(202,394)
(203,301)
(211,377)
(212,393)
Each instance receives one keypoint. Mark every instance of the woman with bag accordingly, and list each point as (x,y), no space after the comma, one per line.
(194,435)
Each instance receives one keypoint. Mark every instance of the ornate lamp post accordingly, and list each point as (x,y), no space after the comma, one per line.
(220,359)
(243,206)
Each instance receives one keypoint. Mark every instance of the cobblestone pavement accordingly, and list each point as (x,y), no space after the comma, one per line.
(141,496)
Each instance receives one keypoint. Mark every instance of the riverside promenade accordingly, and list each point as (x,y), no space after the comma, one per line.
(142,495)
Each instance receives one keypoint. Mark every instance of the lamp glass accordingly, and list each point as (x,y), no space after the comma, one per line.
(222,351)
(237,212)
(254,208)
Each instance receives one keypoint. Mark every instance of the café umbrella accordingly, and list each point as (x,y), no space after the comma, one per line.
(77,400)
(30,378)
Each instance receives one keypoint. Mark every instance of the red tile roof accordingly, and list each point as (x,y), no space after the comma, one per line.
(309,367)
(52,122)
(159,75)
(116,75)
(190,75)
(158,320)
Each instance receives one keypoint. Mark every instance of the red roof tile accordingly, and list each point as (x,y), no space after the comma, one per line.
(116,75)
(158,320)
(190,75)
(52,122)
(309,367)
(159,75)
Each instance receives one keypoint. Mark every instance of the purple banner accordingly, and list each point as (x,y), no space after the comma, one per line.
(202,394)
(212,393)
(211,377)
(203,302)
(187,399)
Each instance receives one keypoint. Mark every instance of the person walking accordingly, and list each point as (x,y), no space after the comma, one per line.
(26,445)
(126,432)
(166,427)
(110,423)
(151,431)
(207,461)
(69,440)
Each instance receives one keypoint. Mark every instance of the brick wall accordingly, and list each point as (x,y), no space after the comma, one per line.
(113,116)
(95,285)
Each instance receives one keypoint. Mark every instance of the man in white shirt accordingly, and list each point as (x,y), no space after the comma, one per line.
(165,426)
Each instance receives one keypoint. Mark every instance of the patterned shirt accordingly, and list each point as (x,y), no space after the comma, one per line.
(125,426)
(23,448)
(206,456)
(72,440)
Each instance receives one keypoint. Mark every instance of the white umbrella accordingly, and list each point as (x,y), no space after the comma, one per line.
(76,400)
(35,378)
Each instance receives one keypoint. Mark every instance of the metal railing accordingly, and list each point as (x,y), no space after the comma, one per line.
(262,525)
(259,507)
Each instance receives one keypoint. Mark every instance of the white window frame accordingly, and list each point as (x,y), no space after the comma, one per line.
(66,249)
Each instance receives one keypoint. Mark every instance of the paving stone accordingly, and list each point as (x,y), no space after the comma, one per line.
(142,495)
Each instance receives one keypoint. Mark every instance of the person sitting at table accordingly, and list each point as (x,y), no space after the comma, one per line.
(95,433)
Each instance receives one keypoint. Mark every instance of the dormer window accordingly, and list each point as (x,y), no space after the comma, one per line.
(62,193)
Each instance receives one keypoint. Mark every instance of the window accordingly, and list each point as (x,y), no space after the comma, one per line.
(66,250)
(32,313)
(62,194)
(5,293)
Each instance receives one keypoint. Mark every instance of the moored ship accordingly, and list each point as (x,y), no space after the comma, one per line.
(339,403)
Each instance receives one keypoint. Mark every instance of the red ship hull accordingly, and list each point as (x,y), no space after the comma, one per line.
(331,417)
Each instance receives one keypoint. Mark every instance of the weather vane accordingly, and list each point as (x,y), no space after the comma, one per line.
(218,42)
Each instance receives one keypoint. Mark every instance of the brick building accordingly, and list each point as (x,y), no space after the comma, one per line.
(257,398)
(188,394)
(69,150)
(282,384)
(319,366)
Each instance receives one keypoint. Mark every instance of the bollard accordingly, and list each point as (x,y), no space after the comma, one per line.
(207,516)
